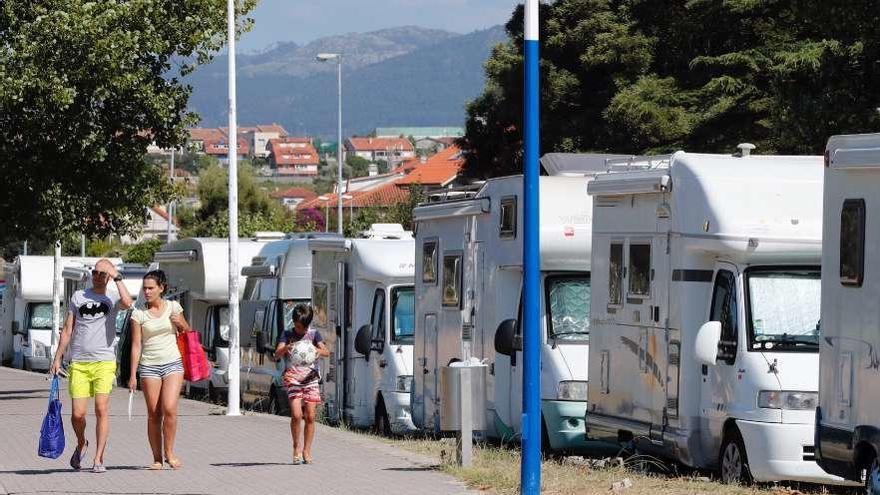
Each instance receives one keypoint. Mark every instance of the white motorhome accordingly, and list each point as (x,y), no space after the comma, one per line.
(26,321)
(468,299)
(705,311)
(362,292)
(198,278)
(278,278)
(848,419)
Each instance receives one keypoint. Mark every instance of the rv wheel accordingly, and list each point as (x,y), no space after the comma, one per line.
(733,461)
(381,424)
(212,393)
(872,478)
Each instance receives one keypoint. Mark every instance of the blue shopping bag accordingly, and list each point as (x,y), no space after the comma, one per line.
(52,431)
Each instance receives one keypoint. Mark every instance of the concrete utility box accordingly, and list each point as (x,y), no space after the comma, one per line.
(451,397)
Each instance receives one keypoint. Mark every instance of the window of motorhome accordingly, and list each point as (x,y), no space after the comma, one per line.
(782,309)
(452,280)
(319,304)
(568,303)
(429,262)
(250,289)
(615,275)
(639,270)
(852,242)
(403,315)
(40,316)
(507,228)
(724,310)
(377,317)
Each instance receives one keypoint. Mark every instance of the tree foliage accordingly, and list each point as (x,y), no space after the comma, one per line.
(84,87)
(636,76)
(256,210)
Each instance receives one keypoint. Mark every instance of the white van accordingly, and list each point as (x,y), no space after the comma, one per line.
(848,425)
(26,320)
(468,299)
(705,311)
(198,278)
(278,278)
(362,291)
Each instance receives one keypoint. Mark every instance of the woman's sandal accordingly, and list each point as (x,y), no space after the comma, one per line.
(297,460)
(174,463)
(308,460)
(156,466)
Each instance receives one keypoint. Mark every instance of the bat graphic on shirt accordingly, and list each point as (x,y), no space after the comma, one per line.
(93,309)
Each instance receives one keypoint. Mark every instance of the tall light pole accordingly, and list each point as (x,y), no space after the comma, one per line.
(233,373)
(324,57)
(350,199)
(170,203)
(326,201)
(530,470)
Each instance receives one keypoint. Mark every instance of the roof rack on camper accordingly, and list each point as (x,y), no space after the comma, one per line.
(577,164)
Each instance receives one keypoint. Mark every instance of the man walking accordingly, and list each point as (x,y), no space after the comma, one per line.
(90,329)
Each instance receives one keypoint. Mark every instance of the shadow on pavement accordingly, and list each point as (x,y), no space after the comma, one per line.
(413,469)
(32,472)
(250,464)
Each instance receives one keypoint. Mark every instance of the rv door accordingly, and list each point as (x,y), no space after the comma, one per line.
(716,390)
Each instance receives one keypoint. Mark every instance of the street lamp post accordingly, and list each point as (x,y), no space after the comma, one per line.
(326,201)
(324,57)
(350,199)
(233,372)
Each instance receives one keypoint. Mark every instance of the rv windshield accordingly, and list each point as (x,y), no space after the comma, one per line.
(403,315)
(568,301)
(41,316)
(783,307)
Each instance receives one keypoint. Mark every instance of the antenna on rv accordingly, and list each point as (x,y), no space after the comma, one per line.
(745,149)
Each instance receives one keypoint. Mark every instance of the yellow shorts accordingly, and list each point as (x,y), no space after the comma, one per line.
(89,378)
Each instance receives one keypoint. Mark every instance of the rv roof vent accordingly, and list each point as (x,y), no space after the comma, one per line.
(745,149)
(268,236)
(386,231)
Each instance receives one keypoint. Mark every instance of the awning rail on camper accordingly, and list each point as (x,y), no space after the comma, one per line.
(182,256)
(79,274)
(259,271)
(330,244)
(473,206)
(634,183)
(855,158)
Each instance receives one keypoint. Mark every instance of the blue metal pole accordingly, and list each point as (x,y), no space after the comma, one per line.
(530,472)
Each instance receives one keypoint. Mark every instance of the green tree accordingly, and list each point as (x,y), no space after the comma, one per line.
(84,87)
(142,252)
(256,210)
(358,165)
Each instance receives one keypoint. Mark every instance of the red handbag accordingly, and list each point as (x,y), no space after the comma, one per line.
(195,362)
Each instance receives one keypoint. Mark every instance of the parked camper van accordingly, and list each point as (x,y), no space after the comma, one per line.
(26,322)
(848,419)
(705,311)
(362,291)
(278,278)
(198,278)
(468,298)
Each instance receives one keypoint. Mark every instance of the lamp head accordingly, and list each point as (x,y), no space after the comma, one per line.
(323,57)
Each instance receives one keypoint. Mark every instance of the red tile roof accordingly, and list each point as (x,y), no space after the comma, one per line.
(204,134)
(378,144)
(293,151)
(438,170)
(382,196)
(295,192)
(272,128)
(220,147)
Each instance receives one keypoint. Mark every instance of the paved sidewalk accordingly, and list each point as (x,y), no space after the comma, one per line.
(221,455)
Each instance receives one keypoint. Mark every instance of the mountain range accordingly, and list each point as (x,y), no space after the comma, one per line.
(406,76)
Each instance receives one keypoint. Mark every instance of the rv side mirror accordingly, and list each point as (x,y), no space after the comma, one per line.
(506,341)
(706,345)
(362,340)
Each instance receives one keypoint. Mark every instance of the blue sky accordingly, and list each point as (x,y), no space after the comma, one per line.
(305,20)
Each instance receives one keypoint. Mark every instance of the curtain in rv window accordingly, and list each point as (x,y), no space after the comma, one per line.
(852,242)
(452,280)
(429,262)
(319,302)
(40,316)
(615,275)
(639,270)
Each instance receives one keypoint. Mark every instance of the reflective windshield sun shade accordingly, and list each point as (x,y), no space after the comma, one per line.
(568,299)
(784,309)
